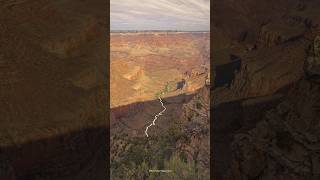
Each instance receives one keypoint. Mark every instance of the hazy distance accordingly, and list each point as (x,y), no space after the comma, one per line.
(181,15)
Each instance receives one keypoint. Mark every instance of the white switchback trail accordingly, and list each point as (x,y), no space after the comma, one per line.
(156,117)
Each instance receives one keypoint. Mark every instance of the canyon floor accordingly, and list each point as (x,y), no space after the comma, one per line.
(142,64)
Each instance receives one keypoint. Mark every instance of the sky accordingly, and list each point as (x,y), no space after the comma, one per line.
(186,15)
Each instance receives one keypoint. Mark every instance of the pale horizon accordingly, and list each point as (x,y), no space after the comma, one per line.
(160,15)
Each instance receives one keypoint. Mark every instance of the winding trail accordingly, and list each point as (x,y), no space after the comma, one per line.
(156,117)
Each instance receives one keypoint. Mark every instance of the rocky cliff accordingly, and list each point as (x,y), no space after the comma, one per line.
(181,137)
(265,120)
(52,90)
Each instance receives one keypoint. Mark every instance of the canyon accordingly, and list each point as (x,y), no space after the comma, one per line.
(144,66)
(52,90)
(142,63)
(263,93)
(265,96)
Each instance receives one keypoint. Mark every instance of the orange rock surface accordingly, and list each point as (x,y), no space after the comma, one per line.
(143,63)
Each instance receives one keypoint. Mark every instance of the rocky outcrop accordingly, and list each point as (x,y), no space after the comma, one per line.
(286,138)
(271,133)
(271,39)
(312,65)
(278,33)
(195,124)
(52,90)
(265,122)
(183,130)
(261,72)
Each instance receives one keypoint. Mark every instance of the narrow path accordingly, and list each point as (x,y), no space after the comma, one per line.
(156,117)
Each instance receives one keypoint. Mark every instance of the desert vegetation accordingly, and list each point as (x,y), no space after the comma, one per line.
(140,154)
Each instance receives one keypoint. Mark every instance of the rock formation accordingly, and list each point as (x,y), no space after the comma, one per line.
(143,62)
(52,90)
(265,123)
(175,66)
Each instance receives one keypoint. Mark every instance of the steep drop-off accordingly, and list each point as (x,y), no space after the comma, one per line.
(143,65)
(265,107)
(52,98)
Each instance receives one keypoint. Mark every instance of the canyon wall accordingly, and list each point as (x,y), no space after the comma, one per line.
(264,121)
(52,90)
(143,63)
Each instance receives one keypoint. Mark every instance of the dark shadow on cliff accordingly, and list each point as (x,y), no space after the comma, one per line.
(77,155)
(137,115)
(233,117)
(225,73)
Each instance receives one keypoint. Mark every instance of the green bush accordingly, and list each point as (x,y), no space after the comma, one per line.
(156,152)
(166,89)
